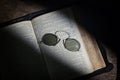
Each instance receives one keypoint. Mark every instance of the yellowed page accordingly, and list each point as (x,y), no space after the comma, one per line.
(62,64)
(92,50)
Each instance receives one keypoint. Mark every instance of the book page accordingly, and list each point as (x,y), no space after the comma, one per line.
(20,54)
(93,50)
(91,44)
(61,44)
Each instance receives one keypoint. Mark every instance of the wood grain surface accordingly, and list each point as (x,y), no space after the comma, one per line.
(10,9)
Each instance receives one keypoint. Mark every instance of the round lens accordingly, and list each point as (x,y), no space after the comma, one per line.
(72,44)
(50,39)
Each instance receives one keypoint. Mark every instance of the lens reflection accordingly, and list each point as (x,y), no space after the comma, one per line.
(72,44)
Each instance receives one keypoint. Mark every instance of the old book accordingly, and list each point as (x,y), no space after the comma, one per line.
(50,46)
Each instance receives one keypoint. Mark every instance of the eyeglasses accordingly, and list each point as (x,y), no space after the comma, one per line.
(70,44)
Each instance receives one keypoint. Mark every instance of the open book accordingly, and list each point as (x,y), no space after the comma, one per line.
(51,46)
